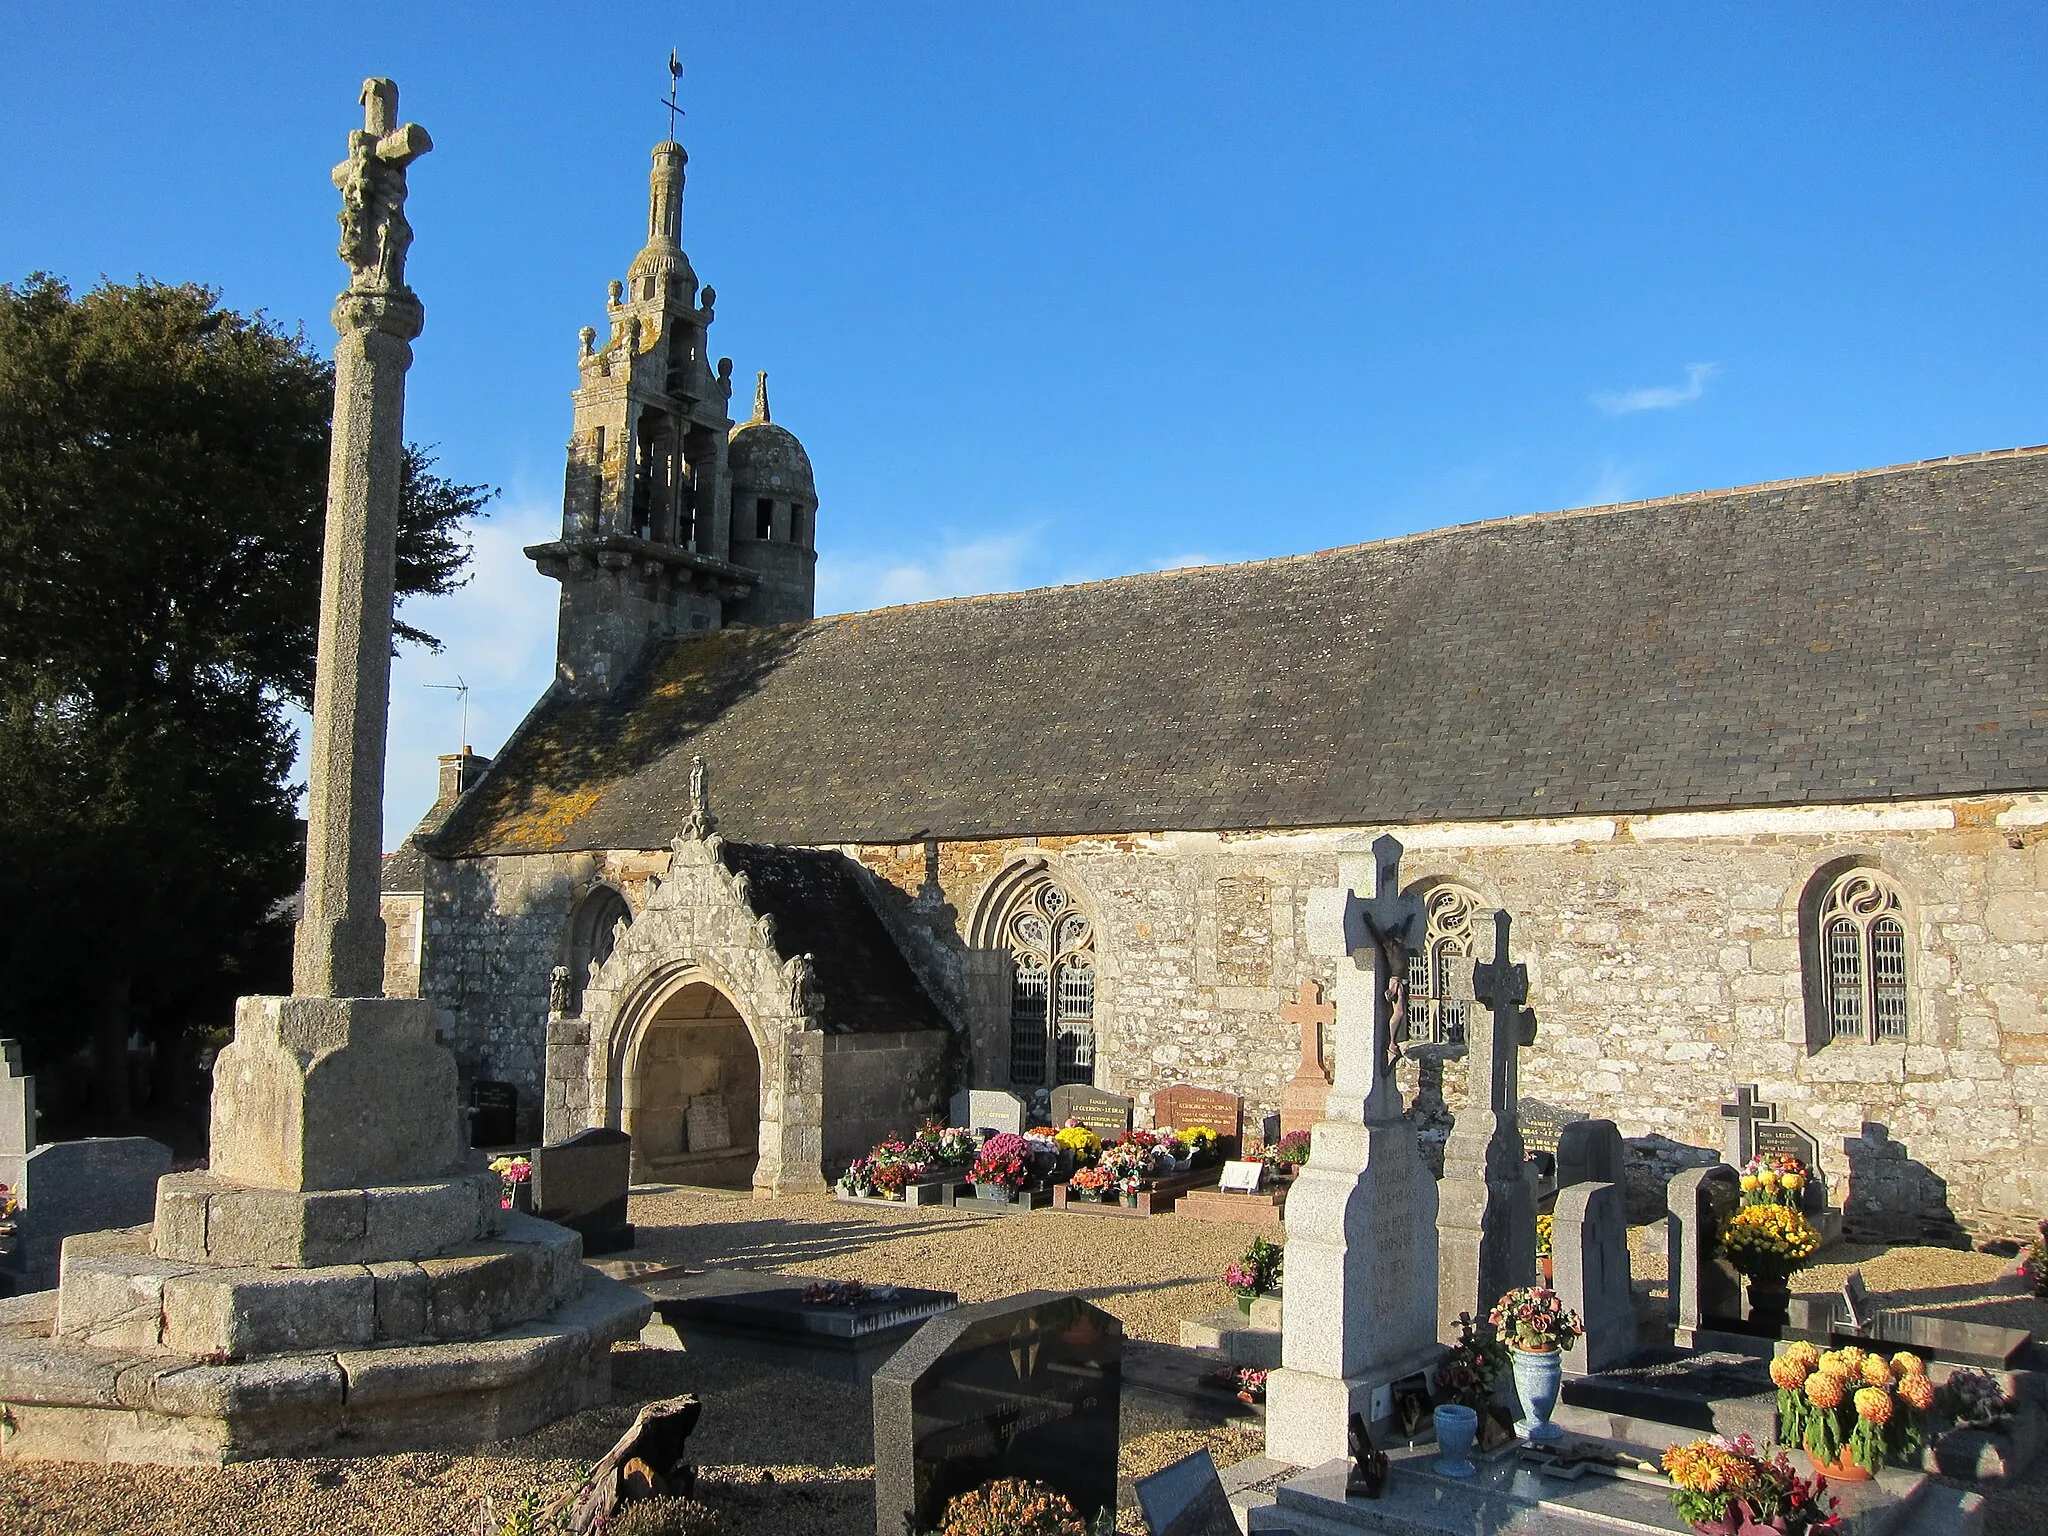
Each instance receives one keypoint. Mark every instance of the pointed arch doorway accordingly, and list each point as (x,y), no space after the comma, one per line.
(691,1092)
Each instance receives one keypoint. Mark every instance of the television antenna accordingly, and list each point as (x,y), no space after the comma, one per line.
(461,690)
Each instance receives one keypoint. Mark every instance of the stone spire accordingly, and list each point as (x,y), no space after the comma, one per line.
(339,947)
(665,197)
(760,398)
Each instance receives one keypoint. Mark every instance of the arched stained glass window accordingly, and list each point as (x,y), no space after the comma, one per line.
(1863,958)
(1052,987)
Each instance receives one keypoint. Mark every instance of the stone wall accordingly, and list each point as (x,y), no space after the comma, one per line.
(1665,957)
(878,1084)
(402,914)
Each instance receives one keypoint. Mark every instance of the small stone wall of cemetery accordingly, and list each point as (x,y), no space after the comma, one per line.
(1665,960)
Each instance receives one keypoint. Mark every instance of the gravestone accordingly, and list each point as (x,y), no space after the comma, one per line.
(1705,1292)
(17,1113)
(581,1184)
(1486,1207)
(1108,1115)
(1743,1117)
(1589,1262)
(70,1187)
(1361,1217)
(1858,1311)
(1591,1152)
(1303,1100)
(1181,1108)
(1542,1124)
(1187,1499)
(1029,1387)
(707,1125)
(1782,1138)
(988,1109)
(495,1121)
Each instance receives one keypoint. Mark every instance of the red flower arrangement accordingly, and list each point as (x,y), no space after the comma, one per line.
(1002,1161)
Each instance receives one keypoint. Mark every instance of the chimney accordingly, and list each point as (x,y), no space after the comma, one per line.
(459,773)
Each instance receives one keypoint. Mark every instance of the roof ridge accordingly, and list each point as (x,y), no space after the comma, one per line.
(1601,510)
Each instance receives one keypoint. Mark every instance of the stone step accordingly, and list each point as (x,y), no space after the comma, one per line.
(204,1219)
(114,1294)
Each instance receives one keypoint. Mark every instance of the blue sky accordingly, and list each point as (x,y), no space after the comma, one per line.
(1059,292)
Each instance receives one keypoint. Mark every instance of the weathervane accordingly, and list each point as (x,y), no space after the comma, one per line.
(675,82)
(461,689)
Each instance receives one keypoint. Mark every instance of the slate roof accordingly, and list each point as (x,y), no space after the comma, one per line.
(816,894)
(1870,636)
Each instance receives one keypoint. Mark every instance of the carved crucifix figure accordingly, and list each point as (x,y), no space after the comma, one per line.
(374,231)
(1391,923)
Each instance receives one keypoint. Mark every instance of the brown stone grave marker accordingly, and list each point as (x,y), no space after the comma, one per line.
(1181,1108)
(1303,1100)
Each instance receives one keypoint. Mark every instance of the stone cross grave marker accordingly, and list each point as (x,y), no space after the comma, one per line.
(1029,1387)
(1302,1100)
(1187,1499)
(1181,1108)
(1743,1117)
(1591,1152)
(1704,1290)
(1108,1115)
(988,1109)
(1589,1248)
(1486,1211)
(1361,1217)
(582,1184)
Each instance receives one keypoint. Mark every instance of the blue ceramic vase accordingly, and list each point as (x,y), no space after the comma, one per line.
(1537,1379)
(1455,1426)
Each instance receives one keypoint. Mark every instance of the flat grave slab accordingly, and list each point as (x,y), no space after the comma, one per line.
(1026,1201)
(1717,1392)
(1264,1207)
(1156,1201)
(921,1192)
(749,1311)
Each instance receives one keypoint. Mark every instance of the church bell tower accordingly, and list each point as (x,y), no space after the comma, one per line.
(647,544)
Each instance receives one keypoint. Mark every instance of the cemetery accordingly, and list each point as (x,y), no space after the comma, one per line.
(776,1250)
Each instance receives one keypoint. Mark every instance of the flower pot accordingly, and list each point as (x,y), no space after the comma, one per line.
(1455,1426)
(1002,1194)
(1770,1303)
(1244,1304)
(1843,1469)
(1131,1199)
(1538,1376)
(1544,1267)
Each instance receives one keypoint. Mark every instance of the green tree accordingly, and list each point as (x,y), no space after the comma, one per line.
(163,467)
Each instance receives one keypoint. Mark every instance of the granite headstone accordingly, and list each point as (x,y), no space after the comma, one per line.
(1541,1124)
(494,1121)
(1782,1138)
(1029,1387)
(582,1183)
(1589,1248)
(988,1109)
(1590,1152)
(1108,1115)
(1187,1499)
(69,1187)
(1181,1108)
(1705,1291)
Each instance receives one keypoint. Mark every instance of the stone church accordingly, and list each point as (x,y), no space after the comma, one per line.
(1761,774)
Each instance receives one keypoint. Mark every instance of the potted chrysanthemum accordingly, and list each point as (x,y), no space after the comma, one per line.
(1767,1242)
(1538,1327)
(1850,1409)
(1723,1487)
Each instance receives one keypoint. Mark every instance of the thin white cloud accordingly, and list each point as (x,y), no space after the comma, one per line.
(1659,397)
(1194,558)
(1615,482)
(995,564)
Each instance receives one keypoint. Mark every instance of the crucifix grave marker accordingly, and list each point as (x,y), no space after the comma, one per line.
(1502,988)
(1746,1114)
(1390,923)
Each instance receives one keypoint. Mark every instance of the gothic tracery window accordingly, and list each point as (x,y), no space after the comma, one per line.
(1440,971)
(1052,988)
(1862,955)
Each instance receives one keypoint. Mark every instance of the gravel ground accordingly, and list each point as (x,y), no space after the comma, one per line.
(784,1453)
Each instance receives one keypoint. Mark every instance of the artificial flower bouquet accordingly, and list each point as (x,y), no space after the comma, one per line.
(1768,1242)
(1082,1143)
(1471,1366)
(1251,1384)
(1724,1487)
(1544,1224)
(1202,1145)
(945,1146)
(1004,1161)
(512,1172)
(1013,1507)
(1774,1178)
(887,1170)
(1535,1320)
(836,1293)
(1261,1269)
(1092,1184)
(1130,1161)
(1852,1400)
(1286,1156)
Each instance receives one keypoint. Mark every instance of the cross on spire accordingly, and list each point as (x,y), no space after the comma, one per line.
(1502,987)
(675,84)
(1747,1114)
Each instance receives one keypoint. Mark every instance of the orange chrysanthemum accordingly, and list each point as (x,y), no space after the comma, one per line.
(1906,1363)
(1824,1389)
(1789,1373)
(1874,1404)
(1877,1371)
(1806,1353)
(1918,1391)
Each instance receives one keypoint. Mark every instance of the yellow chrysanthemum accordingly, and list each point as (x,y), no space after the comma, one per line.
(1906,1363)
(1831,1363)
(1789,1373)
(1874,1404)
(1877,1371)
(1806,1353)
(1918,1391)
(1748,1182)
(1824,1390)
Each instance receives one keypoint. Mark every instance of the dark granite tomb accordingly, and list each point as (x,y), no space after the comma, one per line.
(1108,1115)
(1029,1387)
(494,1118)
(581,1184)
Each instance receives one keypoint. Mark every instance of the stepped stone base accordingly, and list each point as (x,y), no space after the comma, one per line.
(208,1220)
(67,1401)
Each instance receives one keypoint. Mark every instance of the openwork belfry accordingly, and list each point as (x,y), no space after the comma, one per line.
(1052,986)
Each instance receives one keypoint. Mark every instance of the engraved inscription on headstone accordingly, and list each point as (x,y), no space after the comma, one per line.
(988,1109)
(1181,1108)
(1027,1388)
(495,1122)
(1108,1115)
(1541,1125)
(1782,1138)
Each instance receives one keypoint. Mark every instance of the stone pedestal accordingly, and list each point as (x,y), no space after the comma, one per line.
(1486,1224)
